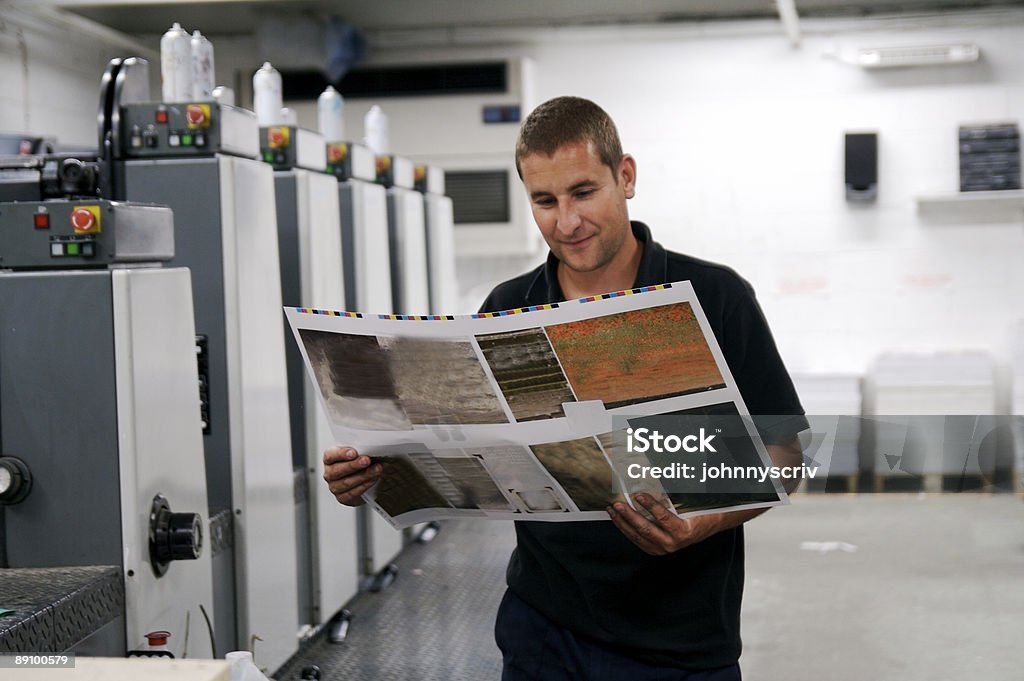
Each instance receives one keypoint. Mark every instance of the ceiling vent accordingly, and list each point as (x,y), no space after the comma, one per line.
(924,55)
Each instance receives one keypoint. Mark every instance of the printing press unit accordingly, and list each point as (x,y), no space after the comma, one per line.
(103,504)
(370,285)
(312,275)
(201,159)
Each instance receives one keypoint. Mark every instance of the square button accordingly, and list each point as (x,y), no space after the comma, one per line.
(161,116)
(56,250)
(42,220)
(186,140)
(173,140)
(72,249)
(88,250)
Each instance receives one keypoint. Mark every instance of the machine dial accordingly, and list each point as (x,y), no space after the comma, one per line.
(172,536)
(15,480)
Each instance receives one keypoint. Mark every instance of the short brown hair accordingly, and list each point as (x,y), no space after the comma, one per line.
(568,120)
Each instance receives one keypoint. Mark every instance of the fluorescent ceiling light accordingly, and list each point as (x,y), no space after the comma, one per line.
(922,55)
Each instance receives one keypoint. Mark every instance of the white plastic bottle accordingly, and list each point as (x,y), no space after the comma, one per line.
(202,67)
(330,110)
(176,64)
(243,668)
(266,95)
(287,116)
(375,127)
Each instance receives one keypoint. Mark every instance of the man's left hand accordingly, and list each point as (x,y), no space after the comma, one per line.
(667,532)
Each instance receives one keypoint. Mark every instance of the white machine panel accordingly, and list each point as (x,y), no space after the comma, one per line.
(444,293)
(410,286)
(333,532)
(372,248)
(265,540)
(161,451)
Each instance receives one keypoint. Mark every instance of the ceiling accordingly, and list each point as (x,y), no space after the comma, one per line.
(227,17)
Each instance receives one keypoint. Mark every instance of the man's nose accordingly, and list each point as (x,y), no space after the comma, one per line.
(568,219)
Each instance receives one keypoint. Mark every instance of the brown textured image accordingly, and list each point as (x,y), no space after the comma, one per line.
(352,374)
(688,503)
(403,487)
(441,381)
(581,469)
(527,372)
(636,356)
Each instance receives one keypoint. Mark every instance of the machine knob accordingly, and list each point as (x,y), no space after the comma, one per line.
(310,673)
(77,178)
(15,480)
(172,536)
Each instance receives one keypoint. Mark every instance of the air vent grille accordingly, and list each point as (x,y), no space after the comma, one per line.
(478,196)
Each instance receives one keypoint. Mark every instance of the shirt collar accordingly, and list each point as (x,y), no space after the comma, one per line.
(653,269)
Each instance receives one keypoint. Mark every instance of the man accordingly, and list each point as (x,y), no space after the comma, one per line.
(639,599)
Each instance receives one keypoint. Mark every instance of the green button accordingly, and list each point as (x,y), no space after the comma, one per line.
(268,157)
(186,140)
(72,249)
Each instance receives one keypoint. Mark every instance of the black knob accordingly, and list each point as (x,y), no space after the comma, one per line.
(77,177)
(186,536)
(310,673)
(172,536)
(15,480)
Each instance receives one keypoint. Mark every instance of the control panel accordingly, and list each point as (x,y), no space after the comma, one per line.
(351,161)
(286,147)
(181,129)
(83,233)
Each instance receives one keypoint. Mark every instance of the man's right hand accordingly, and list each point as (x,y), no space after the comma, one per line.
(348,475)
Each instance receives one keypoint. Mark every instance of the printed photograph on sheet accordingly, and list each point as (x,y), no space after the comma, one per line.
(524,414)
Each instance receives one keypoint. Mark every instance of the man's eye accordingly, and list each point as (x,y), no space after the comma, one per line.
(544,203)
(584,193)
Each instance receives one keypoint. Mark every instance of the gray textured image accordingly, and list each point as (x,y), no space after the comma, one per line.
(441,381)
(353,376)
(475,485)
(527,371)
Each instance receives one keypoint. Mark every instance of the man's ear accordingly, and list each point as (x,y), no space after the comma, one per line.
(627,175)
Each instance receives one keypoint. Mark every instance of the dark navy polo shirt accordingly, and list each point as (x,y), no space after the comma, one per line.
(680,610)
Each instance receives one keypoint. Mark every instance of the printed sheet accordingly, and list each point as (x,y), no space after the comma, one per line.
(526,414)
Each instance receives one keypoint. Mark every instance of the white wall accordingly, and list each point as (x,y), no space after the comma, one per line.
(739,141)
(50,69)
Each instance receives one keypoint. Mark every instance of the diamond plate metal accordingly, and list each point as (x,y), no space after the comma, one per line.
(434,623)
(55,608)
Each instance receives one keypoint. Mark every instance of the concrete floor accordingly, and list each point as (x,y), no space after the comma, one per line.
(934,590)
(916,587)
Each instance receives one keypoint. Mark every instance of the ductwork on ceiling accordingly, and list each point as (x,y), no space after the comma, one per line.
(302,42)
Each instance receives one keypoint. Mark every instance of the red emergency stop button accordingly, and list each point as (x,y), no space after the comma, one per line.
(278,138)
(194,114)
(86,220)
(197,116)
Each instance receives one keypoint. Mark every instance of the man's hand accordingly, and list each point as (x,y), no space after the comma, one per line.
(667,532)
(348,475)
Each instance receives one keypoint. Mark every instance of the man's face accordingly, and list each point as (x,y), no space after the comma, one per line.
(579,203)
